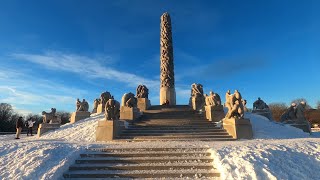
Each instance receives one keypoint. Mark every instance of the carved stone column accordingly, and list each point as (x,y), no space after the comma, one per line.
(167,87)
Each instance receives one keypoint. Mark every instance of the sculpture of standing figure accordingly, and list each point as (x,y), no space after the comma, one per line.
(234,104)
(78,104)
(104,97)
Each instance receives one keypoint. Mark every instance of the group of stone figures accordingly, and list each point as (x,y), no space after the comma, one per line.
(51,117)
(294,114)
(237,105)
(112,107)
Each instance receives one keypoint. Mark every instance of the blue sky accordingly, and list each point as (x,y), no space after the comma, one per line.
(52,52)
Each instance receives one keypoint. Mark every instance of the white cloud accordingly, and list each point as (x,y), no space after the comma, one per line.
(85,66)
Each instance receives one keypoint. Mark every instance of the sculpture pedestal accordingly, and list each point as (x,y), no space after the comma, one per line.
(214,113)
(238,128)
(45,127)
(265,113)
(169,94)
(100,109)
(143,104)
(197,103)
(77,116)
(108,130)
(127,113)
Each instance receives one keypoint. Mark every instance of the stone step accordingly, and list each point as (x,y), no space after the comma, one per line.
(171,134)
(144,154)
(175,136)
(120,139)
(146,130)
(154,127)
(167,166)
(142,174)
(146,150)
(134,160)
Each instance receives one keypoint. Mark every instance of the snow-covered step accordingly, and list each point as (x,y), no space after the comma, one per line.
(131,160)
(177,139)
(142,174)
(175,136)
(146,130)
(171,133)
(142,166)
(154,127)
(146,150)
(143,154)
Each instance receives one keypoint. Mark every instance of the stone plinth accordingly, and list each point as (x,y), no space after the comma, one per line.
(167,93)
(45,127)
(197,103)
(143,104)
(214,113)
(100,109)
(77,116)
(108,130)
(127,113)
(262,112)
(238,128)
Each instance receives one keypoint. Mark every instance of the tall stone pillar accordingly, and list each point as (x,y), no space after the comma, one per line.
(167,87)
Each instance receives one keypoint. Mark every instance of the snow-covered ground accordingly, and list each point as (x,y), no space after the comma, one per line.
(277,152)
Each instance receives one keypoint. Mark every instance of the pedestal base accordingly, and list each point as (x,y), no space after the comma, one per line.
(108,130)
(238,128)
(100,109)
(77,116)
(265,113)
(169,94)
(143,104)
(214,113)
(197,103)
(45,127)
(127,113)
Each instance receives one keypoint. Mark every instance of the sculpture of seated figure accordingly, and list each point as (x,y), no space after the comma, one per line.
(112,110)
(196,90)
(129,100)
(104,97)
(289,114)
(142,91)
(234,105)
(213,99)
(260,105)
(197,99)
(82,106)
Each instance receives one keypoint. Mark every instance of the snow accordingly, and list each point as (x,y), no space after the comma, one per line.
(277,152)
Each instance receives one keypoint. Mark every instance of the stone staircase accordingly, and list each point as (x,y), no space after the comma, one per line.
(178,123)
(144,163)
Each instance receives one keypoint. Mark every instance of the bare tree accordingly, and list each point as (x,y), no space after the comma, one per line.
(65,116)
(277,110)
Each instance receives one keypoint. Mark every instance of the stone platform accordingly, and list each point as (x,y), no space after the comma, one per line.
(45,127)
(238,128)
(79,115)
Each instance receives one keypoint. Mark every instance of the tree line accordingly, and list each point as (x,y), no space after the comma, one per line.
(9,117)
